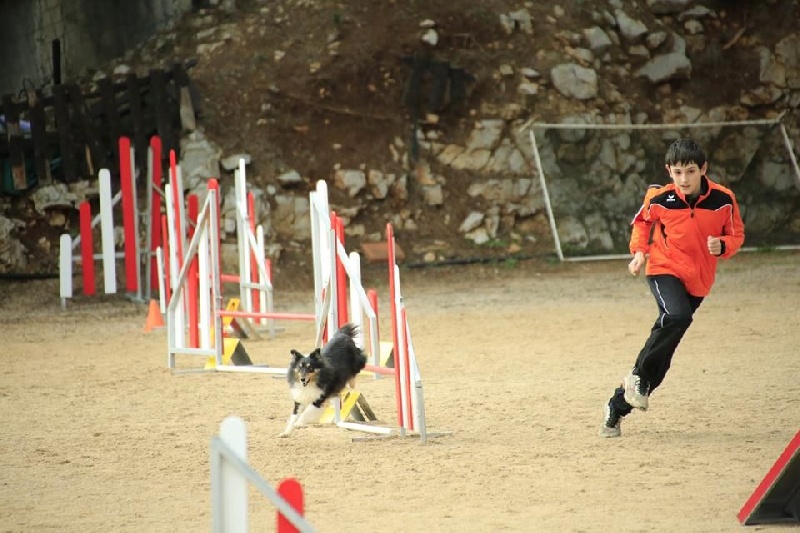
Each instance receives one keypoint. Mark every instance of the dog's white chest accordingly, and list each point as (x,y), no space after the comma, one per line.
(305,395)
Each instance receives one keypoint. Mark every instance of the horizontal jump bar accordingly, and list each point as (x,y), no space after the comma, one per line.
(284,316)
(380,370)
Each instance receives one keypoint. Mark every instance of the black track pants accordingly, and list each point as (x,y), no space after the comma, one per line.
(676,308)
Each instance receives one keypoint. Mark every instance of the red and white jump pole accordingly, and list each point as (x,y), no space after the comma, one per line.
(203,248)
(138,285)
(256,291)
(332,268)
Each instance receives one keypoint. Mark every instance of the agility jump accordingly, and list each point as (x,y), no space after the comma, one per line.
(197,281)
(332,276)
(254,280)
(200,264)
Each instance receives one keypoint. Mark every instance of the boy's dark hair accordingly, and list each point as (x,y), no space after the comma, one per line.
(685,151)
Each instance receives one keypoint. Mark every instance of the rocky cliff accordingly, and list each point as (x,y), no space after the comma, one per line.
(420,113)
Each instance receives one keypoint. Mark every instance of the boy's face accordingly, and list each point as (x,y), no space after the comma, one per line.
(687,177)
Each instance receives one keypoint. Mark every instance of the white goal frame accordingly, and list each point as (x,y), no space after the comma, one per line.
(539,169)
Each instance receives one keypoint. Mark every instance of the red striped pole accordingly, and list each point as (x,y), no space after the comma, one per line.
(155,213)
(126,185)
(341,274)
(192,281)
(87,249)
(251,215)
(372,296)
(393,315)
(176,195)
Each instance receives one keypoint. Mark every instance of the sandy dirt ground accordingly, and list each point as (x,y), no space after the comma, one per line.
(517,363)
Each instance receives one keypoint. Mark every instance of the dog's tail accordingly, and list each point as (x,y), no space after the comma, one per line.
(343,343)
(349,329)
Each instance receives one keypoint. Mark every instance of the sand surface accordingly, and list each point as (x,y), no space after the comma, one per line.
(517,364)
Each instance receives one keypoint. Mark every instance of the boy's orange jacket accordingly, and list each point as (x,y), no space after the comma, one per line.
(679,244)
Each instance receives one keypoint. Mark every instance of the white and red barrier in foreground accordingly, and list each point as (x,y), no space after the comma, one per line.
(138,284)
(230,475)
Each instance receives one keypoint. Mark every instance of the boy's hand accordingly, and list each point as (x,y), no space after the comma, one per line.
(636,263)
(714,245)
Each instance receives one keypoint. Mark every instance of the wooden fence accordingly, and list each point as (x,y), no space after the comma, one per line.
(70,134)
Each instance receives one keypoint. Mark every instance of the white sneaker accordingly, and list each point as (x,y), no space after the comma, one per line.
(636,391)
(610,427)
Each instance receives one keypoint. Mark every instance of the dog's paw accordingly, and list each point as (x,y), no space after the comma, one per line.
(311,415)
(283,434)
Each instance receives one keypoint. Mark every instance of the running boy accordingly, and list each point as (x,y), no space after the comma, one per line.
(694,221)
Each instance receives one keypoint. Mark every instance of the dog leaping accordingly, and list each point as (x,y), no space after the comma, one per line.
(316,377)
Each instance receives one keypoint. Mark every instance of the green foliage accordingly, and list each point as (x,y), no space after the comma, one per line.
(495,244)
(510,262)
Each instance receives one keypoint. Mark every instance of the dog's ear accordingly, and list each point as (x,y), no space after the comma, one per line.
(296,356)
(315,355)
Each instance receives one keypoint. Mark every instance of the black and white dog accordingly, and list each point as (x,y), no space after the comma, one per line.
(315,377)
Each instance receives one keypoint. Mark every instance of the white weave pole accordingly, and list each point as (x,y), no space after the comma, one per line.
(204,300)
(242,228)
(321,245)
(65,268)
(356,310)
(162,289)
(399,358)
(107,233)
(417,395)
(179,326)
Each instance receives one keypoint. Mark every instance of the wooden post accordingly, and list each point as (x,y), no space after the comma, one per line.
(158,90)
(139,138)
(16,156)
(64,128)
(111,125)
(39,133)
(95,157)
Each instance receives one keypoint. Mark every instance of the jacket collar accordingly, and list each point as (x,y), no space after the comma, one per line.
(705,187)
